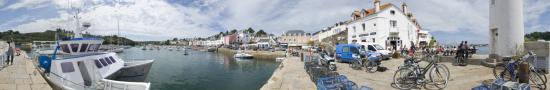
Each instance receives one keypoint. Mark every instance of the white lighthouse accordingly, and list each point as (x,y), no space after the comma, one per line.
(506,27)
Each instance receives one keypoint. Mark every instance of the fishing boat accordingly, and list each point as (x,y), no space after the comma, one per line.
(86,67)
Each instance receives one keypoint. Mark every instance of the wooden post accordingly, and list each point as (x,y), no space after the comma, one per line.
(523,72)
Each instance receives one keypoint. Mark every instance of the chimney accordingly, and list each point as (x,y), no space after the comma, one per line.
(376,5)
(404,7)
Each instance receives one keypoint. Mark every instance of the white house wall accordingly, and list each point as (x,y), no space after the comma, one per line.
(406,28)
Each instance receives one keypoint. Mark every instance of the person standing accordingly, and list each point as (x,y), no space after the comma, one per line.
(10,53)
(466,49)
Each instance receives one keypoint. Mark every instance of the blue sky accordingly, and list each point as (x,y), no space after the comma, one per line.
(447,20)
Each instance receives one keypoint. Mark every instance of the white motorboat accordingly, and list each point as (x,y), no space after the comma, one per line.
(84,68)
(243,55)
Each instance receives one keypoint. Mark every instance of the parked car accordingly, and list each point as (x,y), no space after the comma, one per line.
(348,52)
(386,54)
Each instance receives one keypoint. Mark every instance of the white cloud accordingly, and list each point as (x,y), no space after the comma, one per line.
(29,4)
(159,19)
(2,2)
(143,19)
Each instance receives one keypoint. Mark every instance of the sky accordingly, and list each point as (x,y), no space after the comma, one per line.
(447,20)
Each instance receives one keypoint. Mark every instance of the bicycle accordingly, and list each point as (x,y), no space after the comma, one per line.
(357,64)
(411,74)
(509,71)
(461,59)
(373,62)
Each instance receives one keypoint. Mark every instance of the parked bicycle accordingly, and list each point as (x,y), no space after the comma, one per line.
(411,74)
(357,63)
(461,59)
(509,71)
(373,61)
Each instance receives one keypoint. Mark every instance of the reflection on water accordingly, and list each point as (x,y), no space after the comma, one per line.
(202,70)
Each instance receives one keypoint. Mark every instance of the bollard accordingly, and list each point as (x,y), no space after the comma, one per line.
(523,72)
(302,57)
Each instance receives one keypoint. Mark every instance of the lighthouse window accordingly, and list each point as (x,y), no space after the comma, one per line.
(112,59)
(97,64)
(67,67)
(108,61)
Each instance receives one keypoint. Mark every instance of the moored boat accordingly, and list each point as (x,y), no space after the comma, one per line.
(85,67)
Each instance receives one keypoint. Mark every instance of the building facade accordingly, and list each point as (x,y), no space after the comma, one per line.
(386,25)
(295,38)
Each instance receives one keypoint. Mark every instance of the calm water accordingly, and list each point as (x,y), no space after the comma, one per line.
(202,70)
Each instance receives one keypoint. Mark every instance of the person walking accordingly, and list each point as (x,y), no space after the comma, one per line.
(466,49)
(10,53)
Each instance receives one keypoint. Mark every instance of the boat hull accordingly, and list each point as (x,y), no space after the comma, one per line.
(136,71)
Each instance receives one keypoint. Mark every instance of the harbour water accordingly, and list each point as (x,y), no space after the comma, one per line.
(202,70)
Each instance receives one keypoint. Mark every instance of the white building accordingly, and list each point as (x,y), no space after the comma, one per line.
(386,25)
(506,27)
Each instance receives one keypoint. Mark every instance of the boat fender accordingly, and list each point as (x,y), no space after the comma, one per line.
(45,62)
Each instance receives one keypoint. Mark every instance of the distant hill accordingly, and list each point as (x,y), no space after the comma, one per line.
(537,36)
(50,35)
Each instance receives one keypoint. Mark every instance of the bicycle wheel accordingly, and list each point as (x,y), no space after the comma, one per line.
(371,66)
(501,72)
(538,79)
(439,75)
(404,78)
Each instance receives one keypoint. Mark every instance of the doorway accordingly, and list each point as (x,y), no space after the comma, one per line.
(85,74)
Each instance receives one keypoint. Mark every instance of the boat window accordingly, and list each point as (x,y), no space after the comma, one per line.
(67,67)
(93,47)
(65,48)
(97,47)
(112,59)
(97,64)
(83,47)
(103,62)
(108,60)
(74,47)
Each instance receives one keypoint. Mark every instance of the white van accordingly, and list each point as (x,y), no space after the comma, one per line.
(386,54)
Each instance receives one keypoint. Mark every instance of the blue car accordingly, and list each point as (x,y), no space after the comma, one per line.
(348,52)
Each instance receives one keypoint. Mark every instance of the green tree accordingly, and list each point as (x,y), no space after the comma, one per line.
(249,30)
(233,31)
(261,33)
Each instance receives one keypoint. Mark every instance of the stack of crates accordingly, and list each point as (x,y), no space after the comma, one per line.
(542,49)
